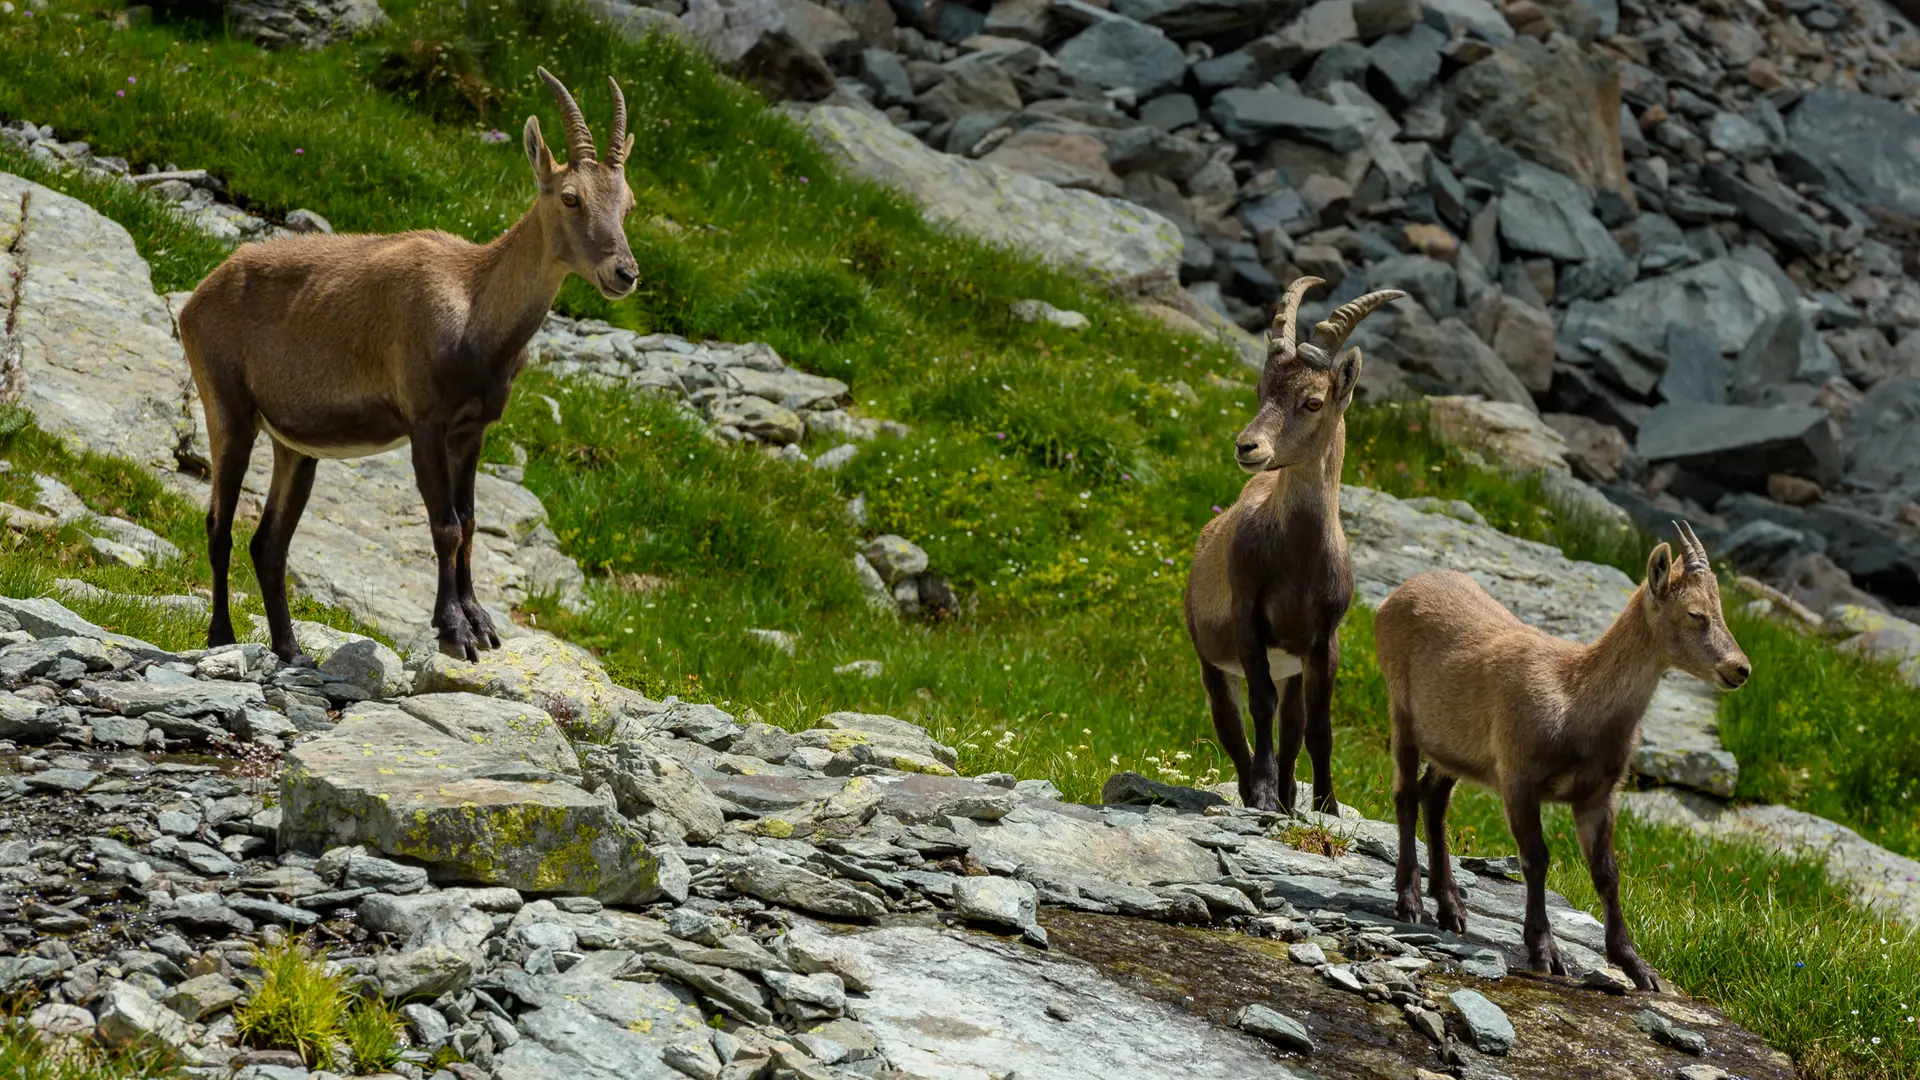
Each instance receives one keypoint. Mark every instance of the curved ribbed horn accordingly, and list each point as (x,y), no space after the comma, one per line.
(1696,553)
(1331,333)
(1286,315)
(617,143)
(579,138)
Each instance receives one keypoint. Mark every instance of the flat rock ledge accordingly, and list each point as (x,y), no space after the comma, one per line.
(687,894)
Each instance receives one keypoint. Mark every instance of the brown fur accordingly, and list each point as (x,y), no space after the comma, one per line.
(342,346)
(1487,698)
(1271,576)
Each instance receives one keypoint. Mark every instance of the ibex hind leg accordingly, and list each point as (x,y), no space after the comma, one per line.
(1436,792)
(466,467)
(230,442)
(286,501)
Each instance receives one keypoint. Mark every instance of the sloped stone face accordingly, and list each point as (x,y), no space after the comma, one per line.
(538,670)
(1105,237)
(470,811)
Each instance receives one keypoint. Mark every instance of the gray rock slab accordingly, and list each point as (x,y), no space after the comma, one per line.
(1486,1023)
(953,1005)
(388,780)
(1868,147)
(516,728)
(1063,845)
(1108,237)
(1744,442)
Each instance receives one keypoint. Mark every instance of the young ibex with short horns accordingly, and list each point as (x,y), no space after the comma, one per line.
(1271,579)
(344,346)
(1487,698)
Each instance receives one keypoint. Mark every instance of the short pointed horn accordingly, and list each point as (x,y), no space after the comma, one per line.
(1286,315)
(617,143)
(579,137)
(1696,556)
(1332,332)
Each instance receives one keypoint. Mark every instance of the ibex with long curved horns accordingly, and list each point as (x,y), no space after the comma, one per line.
(344,346)
(1485,697)
(1271,579)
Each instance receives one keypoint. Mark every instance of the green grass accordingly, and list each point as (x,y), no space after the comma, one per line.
(31,562)
(1827,730)
(294,1004)
(1058,479)
(371,1029)
(24,1055)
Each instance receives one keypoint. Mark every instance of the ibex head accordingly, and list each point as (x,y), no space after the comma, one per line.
(584,203)
(1685,602)
(1302,391)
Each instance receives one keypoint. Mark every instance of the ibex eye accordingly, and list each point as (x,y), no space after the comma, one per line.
(569,199)
(1313,404)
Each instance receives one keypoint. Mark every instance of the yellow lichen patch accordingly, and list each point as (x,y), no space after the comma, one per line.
(778,828)
(841,739)
(640,1027)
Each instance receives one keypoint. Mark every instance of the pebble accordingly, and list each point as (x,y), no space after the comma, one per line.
(1486,1024)
(1277,1028)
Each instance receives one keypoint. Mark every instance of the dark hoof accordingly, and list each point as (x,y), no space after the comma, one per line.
(1409,911)
(1547,960)
(1329,806)
(220,635)
(460,644)
(1637,970)
(485,635)
(1451,918)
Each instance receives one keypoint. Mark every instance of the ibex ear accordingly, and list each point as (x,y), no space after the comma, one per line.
(538,155)
(1659,572)
(1346,378)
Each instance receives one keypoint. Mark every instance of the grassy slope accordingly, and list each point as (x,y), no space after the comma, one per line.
(1058,479)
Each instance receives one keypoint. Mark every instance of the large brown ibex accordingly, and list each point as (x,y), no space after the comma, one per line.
(344,346)
(1271,580)
(1486,697)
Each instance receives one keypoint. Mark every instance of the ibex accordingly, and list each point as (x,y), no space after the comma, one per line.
(1488,698)
(344,346)
(1271,579)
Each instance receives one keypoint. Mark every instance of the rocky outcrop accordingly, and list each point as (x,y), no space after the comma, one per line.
(303,24)
(670,919)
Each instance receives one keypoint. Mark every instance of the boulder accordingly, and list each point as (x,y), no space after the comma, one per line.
(1544,213)
(1132,789)
(1450,352)
(1104,237)
(1724,298)
(303,24)
(1253,116)
(515,728)
(1882,439)
(1059,155)
(1512,434)
(1772,209)
(1697,373)
(1554,103)
(1120,53)
(1183,20)
(1866,148)
(645,781)
(841,730)
(1520,334)
(1595,450)
(540,670)
(1784,349)
(783,44)
(469,811)
(1740,444)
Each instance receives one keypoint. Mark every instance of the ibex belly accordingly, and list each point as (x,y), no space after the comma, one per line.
(331,451)
(1281,665)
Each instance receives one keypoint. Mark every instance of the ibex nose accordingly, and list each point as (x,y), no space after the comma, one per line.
(626,276)
(1735,675)
(1247,448)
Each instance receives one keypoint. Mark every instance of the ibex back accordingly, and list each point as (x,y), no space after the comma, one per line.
(343,346)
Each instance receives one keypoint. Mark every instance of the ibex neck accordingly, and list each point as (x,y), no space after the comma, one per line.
(1616,676)
(516,278)
(1314,484)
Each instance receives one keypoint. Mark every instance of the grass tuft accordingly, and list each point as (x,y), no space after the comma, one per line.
(371,1029)
(294,1004)
(28,1055)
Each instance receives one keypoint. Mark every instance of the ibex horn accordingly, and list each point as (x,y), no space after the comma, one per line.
(1696,553)
(1331,333)
(579,138)
(1285,316)
(617,145)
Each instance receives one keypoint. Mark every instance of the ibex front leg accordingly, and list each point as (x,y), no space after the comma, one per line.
(466,467)
(433,471)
